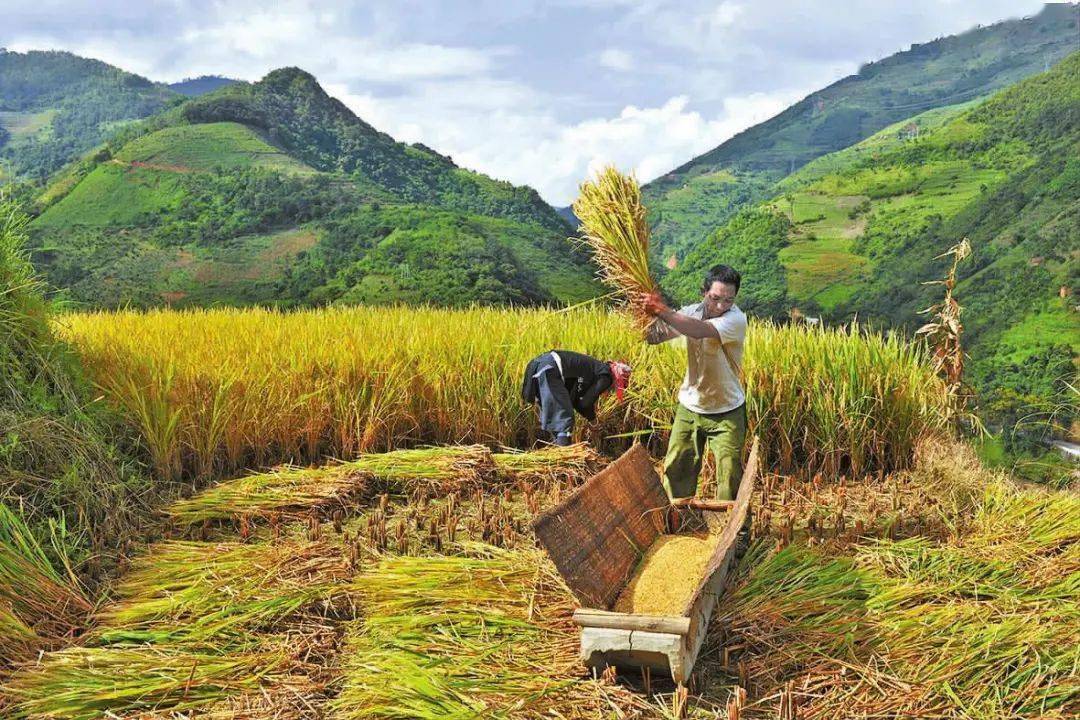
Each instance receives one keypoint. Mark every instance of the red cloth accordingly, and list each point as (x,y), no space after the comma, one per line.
(620,375)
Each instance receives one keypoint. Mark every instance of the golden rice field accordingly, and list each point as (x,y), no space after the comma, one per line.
(212,391)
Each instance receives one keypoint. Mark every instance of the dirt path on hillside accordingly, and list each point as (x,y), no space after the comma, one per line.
(163,167)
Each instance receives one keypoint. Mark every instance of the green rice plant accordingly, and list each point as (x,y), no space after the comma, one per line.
(216,594)
(615,228)
(459,637)
(299,386)
(85,683)
(296,491)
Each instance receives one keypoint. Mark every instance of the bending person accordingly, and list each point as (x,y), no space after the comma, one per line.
(564,382)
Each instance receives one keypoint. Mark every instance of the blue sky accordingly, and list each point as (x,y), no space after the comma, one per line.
(538,93)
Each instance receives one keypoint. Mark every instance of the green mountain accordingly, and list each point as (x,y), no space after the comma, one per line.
(55,106)
(274,192)
(858,232)
(193,87)
(693,200)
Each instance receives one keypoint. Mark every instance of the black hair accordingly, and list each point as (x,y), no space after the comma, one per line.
(721,273)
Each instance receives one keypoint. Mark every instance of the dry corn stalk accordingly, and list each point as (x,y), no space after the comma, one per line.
(944,331)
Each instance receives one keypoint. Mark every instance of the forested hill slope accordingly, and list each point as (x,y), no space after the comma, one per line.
(691,201)
(54,106)
(859,232)
(1020,286)
(276,193)
(293,110)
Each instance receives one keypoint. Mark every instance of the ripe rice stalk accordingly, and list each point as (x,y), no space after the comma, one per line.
(485,635)
(299,386)
(569,464)
(17,639)
(147,399)
(216,593)
(615,229)
(85,683)
(296,491)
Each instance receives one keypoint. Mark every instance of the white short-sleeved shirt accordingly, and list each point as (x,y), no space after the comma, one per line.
(711,384)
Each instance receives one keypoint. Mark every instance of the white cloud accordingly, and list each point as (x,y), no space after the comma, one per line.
(617,59)
(725,14)
(518,89)
(521,141)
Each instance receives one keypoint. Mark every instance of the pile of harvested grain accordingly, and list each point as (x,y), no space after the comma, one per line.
(667,575)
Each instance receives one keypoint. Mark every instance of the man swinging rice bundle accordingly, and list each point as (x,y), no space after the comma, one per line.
(711,409)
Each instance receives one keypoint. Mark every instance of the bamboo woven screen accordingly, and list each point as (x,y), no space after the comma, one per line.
(598,534)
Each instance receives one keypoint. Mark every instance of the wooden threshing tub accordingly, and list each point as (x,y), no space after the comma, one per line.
(597,536)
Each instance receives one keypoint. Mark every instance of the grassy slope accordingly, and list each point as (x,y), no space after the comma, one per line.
(97,236)
(688,203)
(205,147)
(112,195)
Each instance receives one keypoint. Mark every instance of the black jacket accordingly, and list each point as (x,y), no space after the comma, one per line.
(585,378)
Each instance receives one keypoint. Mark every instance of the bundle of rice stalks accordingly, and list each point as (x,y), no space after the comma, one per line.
(296,491)
(613,221)
(81,683)
(457,637)
(37,602)
(17,639)
(217,593)
(569,465)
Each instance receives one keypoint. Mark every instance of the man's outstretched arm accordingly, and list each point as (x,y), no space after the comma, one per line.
(659,331)
(682,324)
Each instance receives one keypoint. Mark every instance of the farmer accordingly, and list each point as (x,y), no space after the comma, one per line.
(712,403)
(563,381)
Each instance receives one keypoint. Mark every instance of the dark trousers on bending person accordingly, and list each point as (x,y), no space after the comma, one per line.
(556,409)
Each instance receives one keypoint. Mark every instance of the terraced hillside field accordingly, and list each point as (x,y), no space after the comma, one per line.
(697,198)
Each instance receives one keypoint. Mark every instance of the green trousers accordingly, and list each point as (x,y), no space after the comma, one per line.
(724,433)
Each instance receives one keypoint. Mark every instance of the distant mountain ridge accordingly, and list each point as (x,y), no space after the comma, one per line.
(275,192)
(54,106)
(193,87)
(293,109)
